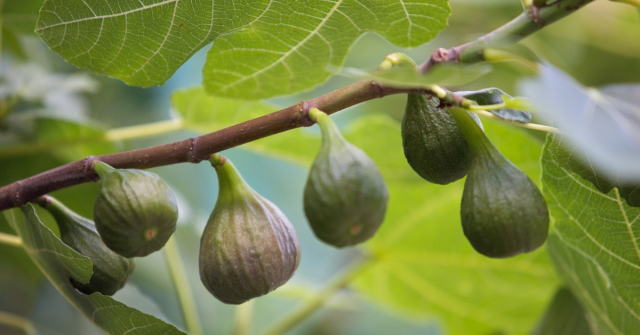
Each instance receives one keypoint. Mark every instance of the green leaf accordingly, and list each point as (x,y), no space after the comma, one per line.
(140,42)
(565,316)
(604,122)
(289,47)
(279,46)
(570,156)
(443,75)
(20,16)
(425,266)
(59,263)
(66,139)
(594,245)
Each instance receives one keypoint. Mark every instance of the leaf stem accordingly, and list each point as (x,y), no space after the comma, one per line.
(242,320)
(181,283)
(17,321)
(11,240)
(533,126)
(302,312)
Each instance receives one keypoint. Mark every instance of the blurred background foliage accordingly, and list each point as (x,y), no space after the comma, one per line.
(426,279)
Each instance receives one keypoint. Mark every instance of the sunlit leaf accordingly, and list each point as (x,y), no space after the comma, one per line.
(594,245)
(289,47)
(59,263)
(269,48)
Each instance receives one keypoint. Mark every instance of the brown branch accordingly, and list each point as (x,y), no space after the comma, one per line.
(195,149)
(529,22)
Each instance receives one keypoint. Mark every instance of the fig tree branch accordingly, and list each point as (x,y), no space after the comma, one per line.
(529,22)
(196,149)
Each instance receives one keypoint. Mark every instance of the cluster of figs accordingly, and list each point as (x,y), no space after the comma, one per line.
(249,247)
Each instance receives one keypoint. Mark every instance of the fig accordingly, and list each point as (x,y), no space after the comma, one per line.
(345,197)
(110,270)
(248,248)
(503,212)
(433,143)
(135,211)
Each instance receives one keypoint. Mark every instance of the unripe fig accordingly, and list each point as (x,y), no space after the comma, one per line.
(248,248)
(433,143)
(135,211)
(110,270)
(345,198)
(503,212)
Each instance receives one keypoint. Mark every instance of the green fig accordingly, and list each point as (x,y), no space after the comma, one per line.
(345,198)
(110,270)
(248,248)
(503,212)
(433,143)
(135,211)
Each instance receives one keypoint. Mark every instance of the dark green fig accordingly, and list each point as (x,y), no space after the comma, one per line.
(345,198)
(248,248)
(503,212)
(110,270)
(433,143)
(135,211)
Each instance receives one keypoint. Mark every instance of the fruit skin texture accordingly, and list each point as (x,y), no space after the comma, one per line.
(110,270)
(248,248)
(135,211)
(503,212)
(433,143)
(345,197)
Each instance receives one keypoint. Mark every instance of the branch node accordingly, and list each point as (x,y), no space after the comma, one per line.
(379,89)
(192,155)
(88,168)
(303,114)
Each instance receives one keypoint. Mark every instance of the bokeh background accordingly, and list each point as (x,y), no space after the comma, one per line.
(597,46)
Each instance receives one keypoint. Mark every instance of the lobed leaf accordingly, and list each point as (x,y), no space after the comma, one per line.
(594,244)
(59,263)
(290,45)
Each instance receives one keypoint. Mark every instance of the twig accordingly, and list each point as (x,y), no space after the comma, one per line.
(511,33)
(195,149)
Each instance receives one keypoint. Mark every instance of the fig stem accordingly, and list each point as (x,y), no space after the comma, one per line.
(101,168)
(11,240)
(314,113)
(217,160)
(182,286)
(340,281)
